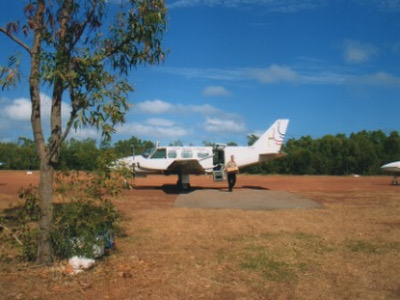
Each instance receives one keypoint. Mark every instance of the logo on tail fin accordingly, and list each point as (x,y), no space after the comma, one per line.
(278,134)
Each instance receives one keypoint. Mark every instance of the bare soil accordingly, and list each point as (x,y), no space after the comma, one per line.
(348,249)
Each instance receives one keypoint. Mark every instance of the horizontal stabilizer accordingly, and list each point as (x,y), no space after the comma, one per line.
(269,156)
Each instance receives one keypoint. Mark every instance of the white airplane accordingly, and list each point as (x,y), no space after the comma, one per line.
(392,168)
(185,161)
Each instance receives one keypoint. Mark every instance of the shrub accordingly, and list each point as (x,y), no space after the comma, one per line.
(80,226)
(83,221)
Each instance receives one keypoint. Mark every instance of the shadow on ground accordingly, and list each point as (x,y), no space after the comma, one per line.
(246,199)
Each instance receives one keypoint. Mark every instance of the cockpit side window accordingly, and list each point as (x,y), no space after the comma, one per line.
(160,153)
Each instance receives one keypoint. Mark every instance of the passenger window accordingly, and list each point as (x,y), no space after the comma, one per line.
(172,154)
(202,154)
(187,154)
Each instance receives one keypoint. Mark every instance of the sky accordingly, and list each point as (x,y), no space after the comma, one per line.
(235,66)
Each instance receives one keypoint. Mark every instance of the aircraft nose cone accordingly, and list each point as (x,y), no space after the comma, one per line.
(392,167)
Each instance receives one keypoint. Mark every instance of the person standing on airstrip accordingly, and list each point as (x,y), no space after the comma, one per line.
(231,170)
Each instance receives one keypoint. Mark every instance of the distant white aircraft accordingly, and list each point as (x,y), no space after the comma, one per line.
(392,168)
(185,161)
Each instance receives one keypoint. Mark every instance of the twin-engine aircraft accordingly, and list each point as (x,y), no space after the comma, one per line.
(185,161)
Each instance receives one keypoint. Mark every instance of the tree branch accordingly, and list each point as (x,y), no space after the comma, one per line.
(12,233)
(82,27)
(15,39)
(71,120)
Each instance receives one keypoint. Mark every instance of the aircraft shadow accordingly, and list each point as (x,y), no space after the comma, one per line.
(254,187)
(173,189)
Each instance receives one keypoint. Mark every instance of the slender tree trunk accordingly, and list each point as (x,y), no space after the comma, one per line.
(44,250)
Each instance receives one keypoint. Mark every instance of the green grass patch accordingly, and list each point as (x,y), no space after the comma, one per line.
(276,256)
(369,247)
(269,268)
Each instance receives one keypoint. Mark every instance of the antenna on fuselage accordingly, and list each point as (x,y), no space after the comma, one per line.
(133,146)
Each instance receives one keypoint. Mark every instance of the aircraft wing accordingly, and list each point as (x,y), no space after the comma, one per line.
(186,166)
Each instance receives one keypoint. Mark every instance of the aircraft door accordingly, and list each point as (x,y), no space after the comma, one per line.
(219,162)
(219,156)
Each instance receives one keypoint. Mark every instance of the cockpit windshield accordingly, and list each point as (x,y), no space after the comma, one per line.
(148,152)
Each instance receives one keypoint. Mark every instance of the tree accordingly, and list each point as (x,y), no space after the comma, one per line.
(391,148)
(83,50)
(79,155)
(177,143)
(365,153)
(131,146)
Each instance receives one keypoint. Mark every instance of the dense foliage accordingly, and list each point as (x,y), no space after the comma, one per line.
(76,155)
(360,153)
(85,220)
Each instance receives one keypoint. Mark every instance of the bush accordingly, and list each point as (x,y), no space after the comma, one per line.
(80,226)
(84,219)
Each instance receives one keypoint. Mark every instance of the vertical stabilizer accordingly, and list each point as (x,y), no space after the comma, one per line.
(271,140)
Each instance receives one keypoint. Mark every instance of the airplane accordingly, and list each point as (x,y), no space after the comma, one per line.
(392,168)
(188,160)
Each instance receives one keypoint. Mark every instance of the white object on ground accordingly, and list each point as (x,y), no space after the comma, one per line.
(80,263)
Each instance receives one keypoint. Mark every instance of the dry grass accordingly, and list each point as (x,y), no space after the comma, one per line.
(349,249)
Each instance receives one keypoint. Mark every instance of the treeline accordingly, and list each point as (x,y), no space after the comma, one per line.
(360,153)
(75,154)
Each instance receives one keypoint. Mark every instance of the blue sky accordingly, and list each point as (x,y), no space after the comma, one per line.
(235,66)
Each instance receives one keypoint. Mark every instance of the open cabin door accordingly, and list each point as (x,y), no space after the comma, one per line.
(219,162)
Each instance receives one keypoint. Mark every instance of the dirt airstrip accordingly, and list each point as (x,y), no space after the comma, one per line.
(348,248)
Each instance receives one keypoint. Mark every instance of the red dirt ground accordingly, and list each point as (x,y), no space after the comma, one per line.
(12,181)
(175,253)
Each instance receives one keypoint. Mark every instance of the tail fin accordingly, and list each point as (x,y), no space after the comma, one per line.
(271,140)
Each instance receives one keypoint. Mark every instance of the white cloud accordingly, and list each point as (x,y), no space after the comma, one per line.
(204,109)
(215,74)
(380,79)
(301,74)
(274,74)
(16,115)
(85,133)
(19,110)
(216,91)
(221,125)
(160,122)
(189,117)
(153,130)
(356,52)
(154,107)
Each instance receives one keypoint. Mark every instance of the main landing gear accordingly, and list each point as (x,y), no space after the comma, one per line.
(183,181)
